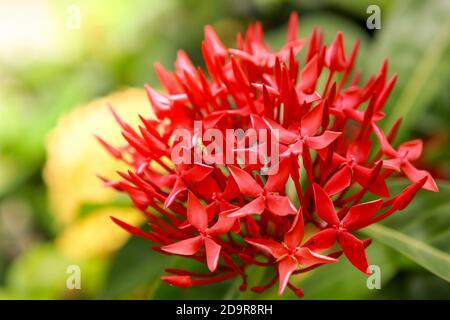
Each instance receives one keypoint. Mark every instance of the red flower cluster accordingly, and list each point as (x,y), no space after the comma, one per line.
(230,216)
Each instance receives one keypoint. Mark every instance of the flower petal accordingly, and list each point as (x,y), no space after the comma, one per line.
(231,190)
(392,164)
(294,236)
(385,145)
(335,55)
(413,149)
(405,197)
(271,247)
(187,247)
(223,225)
(197,173)
(244,56)
(292,33)
(309,75)
(296,148)
(322,240)
(184,64)
(247,185)
(161,104)
(363,177)
(324,206)
(214,42)
(416,175)
(322,141)
(359,151)
(307,257)
(354,251)
(339,181)
(257,206)
(196,213)
(312,121)
(177,188)
(360,216)
(383,96)
(212,253)
(285,269)
(280,205)
(278,176)
(285,136)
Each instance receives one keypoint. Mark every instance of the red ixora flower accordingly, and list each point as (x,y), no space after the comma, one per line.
(231,216)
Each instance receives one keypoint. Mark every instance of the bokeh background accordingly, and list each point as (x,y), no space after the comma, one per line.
(57,73)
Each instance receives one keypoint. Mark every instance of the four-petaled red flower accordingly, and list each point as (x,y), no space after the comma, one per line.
(197,216)
(289,254)
(264,197)
(339,229)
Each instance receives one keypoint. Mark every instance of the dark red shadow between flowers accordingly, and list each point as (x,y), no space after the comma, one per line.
(230,217)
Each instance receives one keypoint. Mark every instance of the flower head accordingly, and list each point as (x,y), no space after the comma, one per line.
(232,214)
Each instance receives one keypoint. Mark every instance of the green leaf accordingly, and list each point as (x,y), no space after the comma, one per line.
(414,285)
(134,269)
(434,260)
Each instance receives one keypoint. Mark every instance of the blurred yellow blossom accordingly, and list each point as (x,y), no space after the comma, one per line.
(74,159)
(95,235)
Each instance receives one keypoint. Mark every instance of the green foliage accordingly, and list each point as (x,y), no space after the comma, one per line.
(133,269)
(436,261)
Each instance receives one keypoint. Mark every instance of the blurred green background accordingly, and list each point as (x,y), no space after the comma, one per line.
(55,74)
